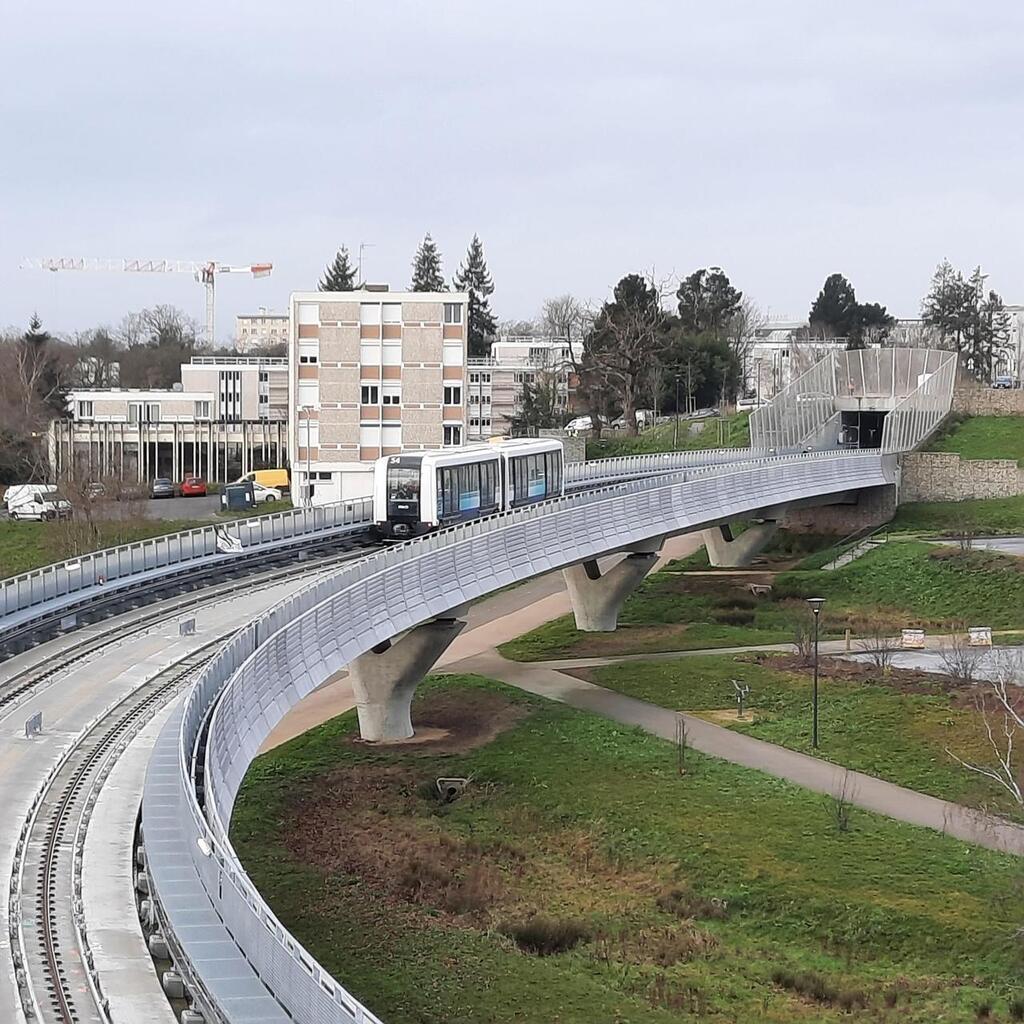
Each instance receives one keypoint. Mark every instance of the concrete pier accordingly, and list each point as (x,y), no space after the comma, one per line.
(384,679)
(727,551)
(597,597)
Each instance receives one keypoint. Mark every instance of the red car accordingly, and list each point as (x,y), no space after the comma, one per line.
(193,487)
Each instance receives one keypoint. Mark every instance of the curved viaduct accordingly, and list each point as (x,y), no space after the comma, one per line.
(238,961)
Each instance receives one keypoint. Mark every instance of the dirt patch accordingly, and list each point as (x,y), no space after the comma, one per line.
(454,722)
(729,716)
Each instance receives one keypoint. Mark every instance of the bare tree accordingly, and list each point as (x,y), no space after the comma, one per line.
(741,332)
(841,802)
(959,658)
(999,704)
(132,330)
(565,316)
(803,640)
(880,650)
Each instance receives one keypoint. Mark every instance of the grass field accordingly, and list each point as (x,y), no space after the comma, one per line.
(735,433)
(719,895)
(993,517)
(899,584)
(984,437)
(897,726)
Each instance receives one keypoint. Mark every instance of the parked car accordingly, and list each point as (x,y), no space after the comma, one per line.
(1003,381)
(36,501)
(193,487)
(579,424)
(261,493)
(162,487)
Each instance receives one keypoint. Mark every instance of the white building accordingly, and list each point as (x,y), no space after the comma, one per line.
(495,383)
(256,330)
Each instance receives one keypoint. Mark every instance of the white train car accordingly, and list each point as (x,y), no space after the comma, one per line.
(423,491)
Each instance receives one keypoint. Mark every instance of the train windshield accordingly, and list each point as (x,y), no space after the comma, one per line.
(403,483)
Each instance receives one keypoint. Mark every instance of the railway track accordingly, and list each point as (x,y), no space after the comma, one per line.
(35,678)
(58,983)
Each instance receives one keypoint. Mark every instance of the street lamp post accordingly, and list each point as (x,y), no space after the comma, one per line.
(815,603)
(675,432)
(307,409)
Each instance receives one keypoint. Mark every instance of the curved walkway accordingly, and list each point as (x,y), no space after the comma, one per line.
(812,773)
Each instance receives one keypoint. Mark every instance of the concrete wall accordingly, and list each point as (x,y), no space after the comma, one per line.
(944,476)
(874,506)
(575,448)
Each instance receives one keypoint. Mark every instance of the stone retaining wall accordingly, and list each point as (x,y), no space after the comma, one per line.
(945,476)
(971,399)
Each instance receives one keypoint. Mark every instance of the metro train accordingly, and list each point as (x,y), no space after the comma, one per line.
(415,493)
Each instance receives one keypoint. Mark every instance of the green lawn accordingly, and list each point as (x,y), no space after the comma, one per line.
(991,516)
(874,724)
(902,583)
(984,437)
(735,433)
(910,583)
(570,816)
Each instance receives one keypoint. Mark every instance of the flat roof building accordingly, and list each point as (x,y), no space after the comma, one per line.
(371,373)
(229,415)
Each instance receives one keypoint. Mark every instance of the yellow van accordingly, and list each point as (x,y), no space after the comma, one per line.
(268,477)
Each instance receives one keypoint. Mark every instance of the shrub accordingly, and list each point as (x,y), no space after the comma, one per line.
(735,616)
(1017,1008)
(687,904)
(983,1011)
(544,936)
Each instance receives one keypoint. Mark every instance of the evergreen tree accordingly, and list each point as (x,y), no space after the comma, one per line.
(968,319)
(836,313)
(707,302)
(340,275)
(474,277)
(426,268)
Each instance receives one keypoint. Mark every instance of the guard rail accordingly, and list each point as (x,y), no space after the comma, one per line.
(284,654)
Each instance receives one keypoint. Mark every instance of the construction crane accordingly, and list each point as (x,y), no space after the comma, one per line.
(205,273)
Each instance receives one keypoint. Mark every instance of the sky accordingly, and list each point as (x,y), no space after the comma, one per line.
(781,141)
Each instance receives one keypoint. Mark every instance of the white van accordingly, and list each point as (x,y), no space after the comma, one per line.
(36,501)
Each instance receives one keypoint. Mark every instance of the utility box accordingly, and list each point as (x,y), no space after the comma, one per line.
(238,496)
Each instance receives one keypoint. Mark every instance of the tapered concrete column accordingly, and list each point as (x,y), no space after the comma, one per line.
(385,679)
(724,550)
(598,598)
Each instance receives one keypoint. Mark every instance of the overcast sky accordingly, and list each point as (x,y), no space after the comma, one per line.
(582,140)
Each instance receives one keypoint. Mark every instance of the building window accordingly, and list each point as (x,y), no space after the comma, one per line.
(309,393)
(452,436)
(391,312)
(143,412)
(453,395)
(453,312)
(369,394)
(85,410)
(369,313)
(392,394)
(202,411)
(474,399)
(309,433)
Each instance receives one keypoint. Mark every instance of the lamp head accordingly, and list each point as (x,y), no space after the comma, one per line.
(816,603)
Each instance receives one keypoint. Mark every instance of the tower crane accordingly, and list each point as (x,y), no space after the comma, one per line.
(204,272)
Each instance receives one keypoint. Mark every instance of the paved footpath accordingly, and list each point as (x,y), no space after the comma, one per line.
(810,772)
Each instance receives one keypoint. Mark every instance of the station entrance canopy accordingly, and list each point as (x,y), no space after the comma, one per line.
(887,398)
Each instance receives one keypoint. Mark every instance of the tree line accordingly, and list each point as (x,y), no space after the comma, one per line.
(427,276)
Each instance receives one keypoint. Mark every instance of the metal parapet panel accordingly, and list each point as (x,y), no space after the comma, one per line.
(912,387)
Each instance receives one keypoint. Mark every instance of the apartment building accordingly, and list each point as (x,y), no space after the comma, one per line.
(254,330)
(495,384)
(226,417)
(372,372)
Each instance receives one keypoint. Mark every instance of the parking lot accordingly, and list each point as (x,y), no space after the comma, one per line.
(181,508)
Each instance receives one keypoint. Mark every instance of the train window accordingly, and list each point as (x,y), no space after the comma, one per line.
(403,483)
